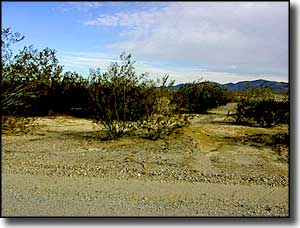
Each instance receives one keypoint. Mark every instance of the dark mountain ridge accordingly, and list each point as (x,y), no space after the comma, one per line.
(277,87)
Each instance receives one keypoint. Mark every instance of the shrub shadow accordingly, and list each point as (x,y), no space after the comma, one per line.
(84,135)
(262,140)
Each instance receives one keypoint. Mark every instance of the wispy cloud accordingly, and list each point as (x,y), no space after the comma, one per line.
(78,6)
(86,60)
(82,61)
(136,19)
(247,37)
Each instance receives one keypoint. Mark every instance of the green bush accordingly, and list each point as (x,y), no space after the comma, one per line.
(264,112)
(30,82)
(199,97)
(163,120)
(118,96)
(125,102)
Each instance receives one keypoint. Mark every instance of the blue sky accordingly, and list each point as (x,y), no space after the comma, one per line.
(218,41)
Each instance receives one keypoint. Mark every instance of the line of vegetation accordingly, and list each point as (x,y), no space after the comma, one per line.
(259,107)
(33,84)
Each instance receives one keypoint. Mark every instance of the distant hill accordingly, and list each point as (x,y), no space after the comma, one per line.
(176,87)
(278,87)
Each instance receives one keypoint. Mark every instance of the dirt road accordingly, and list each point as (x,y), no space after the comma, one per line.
(83,196)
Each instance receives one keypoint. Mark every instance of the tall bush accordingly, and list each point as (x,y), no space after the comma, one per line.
(36,75)
(126,102)
(119,96)
(12,93)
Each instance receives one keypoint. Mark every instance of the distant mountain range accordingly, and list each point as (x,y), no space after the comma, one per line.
(278,87)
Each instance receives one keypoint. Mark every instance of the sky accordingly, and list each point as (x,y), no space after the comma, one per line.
(218,41)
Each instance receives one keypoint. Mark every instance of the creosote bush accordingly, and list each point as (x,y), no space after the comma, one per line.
(199,97)
(30,83)
(125,102)
(163,121)
(264,112)
(118,96)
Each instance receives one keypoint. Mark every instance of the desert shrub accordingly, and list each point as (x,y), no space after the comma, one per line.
(264,112)
(125,102)
(73,98)
(280,142)
(163,120)
(12,91)
(8,38)
(119,96)
(30,81)
(15,99)
(199,97)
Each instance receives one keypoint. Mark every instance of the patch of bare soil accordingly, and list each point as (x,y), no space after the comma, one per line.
(27,195)
(213,168)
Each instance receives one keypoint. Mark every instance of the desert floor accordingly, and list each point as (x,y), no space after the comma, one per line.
(212,168)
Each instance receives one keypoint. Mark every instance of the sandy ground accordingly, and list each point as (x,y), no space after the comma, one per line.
(214,168)
(27,195)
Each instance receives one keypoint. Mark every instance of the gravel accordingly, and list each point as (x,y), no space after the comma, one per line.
(26,195)
(63,169)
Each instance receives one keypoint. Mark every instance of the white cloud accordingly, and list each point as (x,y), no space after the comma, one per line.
(82,61)
(85,60)
(185,74)
(251,36)
(78,6)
